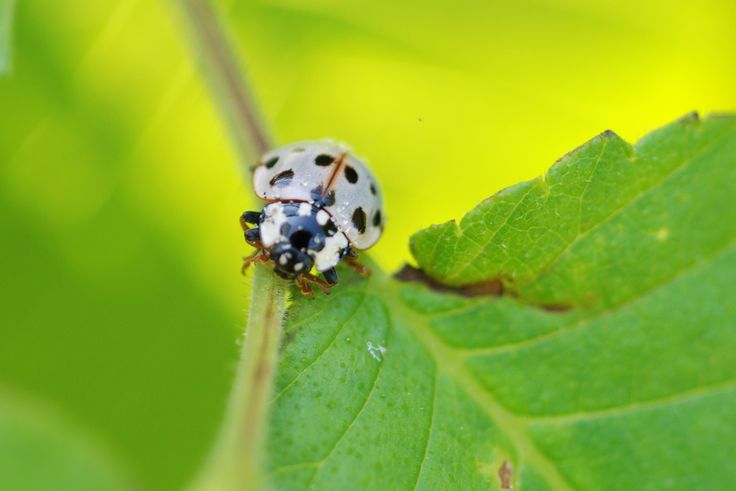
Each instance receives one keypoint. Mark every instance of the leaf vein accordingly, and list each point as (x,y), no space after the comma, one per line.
(669,400)
(584,322)
(461,269)
(425,453)
(318,357)
(636,197)
(355,418)
(508,422)
(581,198)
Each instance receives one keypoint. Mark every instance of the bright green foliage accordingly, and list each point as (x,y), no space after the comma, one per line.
(629,382)
(6,16)
(121,301)
(103,313)
(40,452)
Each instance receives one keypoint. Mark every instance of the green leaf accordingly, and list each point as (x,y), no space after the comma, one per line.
(6,19)
(116,306)
(606,364)
(40,451)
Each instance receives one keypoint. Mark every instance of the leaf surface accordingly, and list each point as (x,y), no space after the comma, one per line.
(606,364)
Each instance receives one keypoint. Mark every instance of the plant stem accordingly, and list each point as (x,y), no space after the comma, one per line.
(236,462)
(228,86)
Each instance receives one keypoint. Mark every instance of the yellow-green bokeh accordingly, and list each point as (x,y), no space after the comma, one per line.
(114,159)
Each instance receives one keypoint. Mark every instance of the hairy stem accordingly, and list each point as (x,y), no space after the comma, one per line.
(228,86)
(236,462)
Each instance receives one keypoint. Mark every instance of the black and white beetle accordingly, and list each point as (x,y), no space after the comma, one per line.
(323,206)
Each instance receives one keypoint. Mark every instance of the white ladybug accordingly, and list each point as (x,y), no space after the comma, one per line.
(323,205)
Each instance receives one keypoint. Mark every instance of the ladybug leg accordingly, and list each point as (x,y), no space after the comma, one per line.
(330,276)
(303,285)
(252,217)
(352,261)
(252,235)
(258,257)
(310,279)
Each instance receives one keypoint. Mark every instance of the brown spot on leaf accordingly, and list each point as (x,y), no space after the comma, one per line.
(505,475)
(555,307)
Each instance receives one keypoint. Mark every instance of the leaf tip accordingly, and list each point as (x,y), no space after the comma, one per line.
(692,118)
(609,136)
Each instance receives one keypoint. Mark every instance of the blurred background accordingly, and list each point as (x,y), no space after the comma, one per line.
(121,300)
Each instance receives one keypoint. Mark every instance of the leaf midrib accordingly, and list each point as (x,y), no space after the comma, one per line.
(452,363)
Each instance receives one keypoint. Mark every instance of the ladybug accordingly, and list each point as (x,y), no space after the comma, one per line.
(323,205)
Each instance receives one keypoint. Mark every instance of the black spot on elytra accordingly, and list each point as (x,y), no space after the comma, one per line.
(377,218)
(324,159)
(285,229)
(282,178)
(359,219)
(271,162)
(351,175)
(373,189)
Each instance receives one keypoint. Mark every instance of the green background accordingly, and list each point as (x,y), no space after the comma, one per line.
(121,302)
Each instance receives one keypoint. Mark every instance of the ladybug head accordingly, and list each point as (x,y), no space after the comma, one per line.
(290,261)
